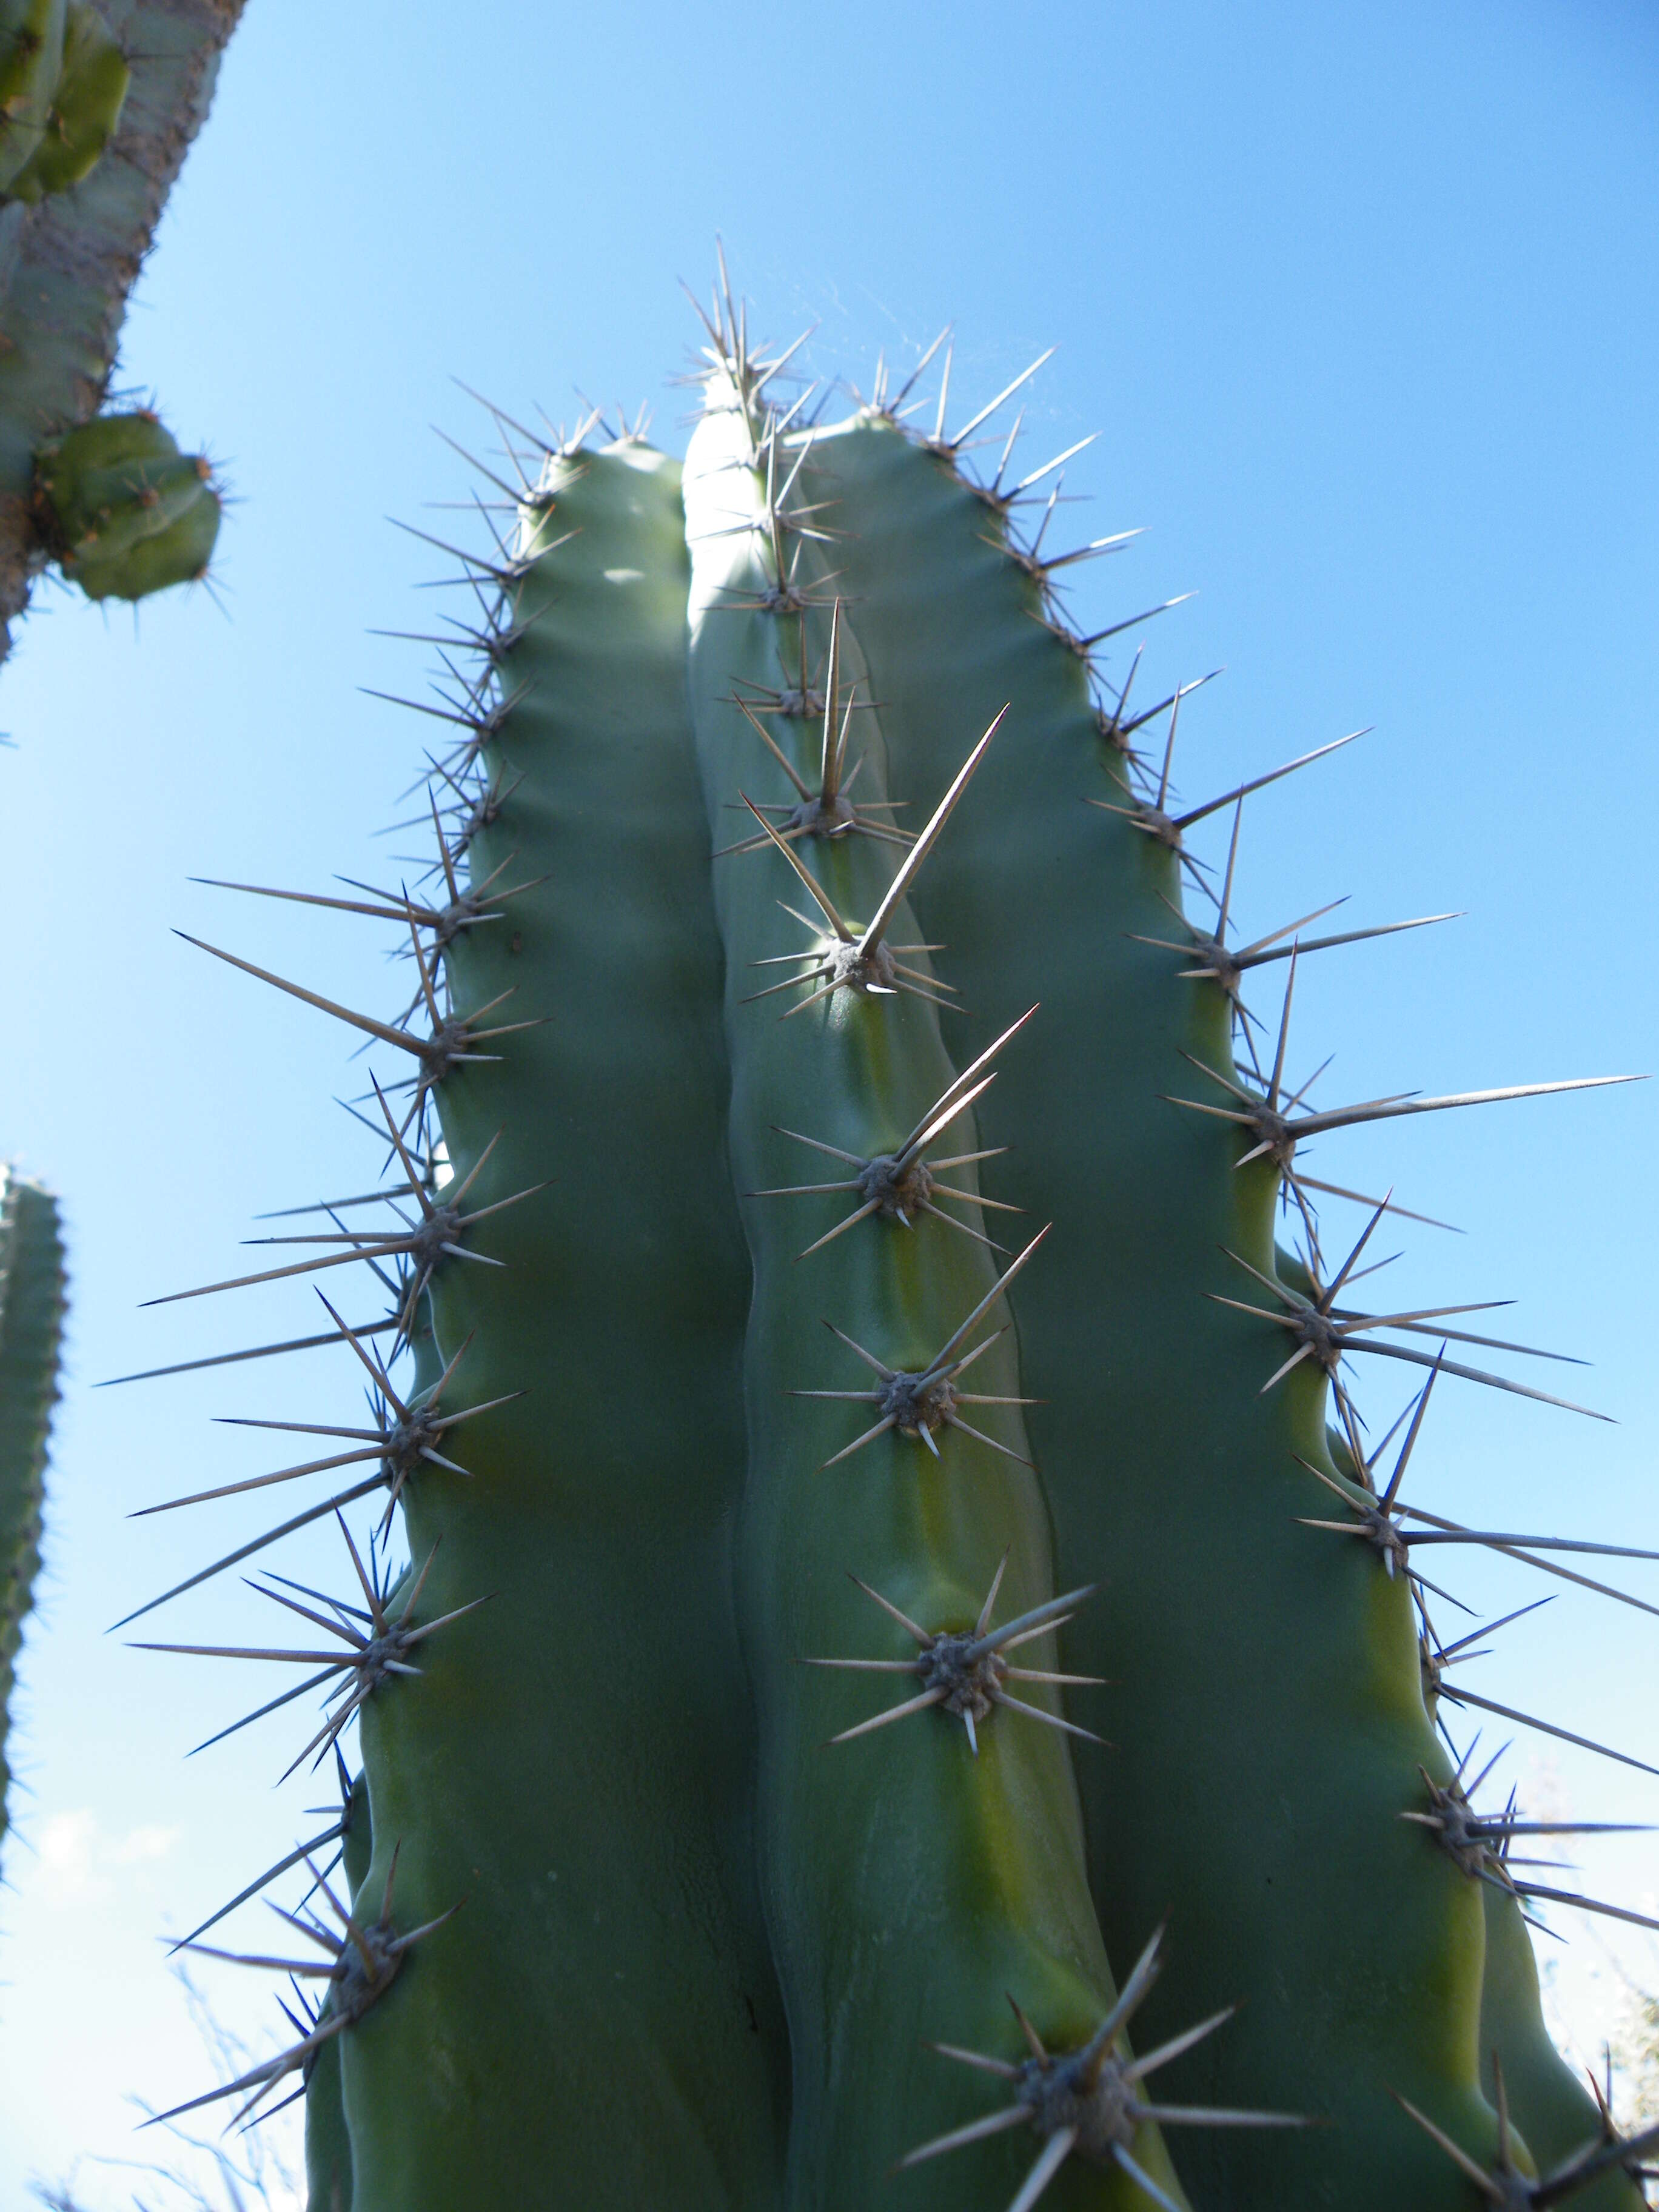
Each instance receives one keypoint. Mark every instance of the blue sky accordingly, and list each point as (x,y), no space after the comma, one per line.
(1362,302)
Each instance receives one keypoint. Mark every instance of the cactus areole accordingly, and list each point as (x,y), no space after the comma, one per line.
(883,1708)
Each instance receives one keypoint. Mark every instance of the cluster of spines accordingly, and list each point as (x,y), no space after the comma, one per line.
(1275,1118)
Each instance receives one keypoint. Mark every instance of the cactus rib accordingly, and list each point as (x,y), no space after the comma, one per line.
(909,1876)
(1144,1468)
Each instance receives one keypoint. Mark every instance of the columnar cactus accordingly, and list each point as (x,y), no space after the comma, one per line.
(834,1237)
(31,1324)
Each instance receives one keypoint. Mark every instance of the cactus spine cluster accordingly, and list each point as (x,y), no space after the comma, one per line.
(31,1324)
(881,1502)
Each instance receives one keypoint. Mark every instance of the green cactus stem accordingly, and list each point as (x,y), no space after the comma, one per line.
(834,1236)
(917,1877)
(604,2008)
(31,1327)
(71,251)
(1271,1677)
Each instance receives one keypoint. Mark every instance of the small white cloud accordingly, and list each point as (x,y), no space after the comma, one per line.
(142,1846)
(77,1857)
(67,1845)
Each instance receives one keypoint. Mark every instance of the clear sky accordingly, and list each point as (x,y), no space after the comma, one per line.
(1364,302)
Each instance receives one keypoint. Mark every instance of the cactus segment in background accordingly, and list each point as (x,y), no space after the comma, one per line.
(99,106)
(31,69)
(31,1326)
(833,1196)
(71,79)
(124,512)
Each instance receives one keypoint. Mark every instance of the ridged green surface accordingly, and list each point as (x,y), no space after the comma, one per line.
(1271,1725)
(911,1887)
(1273,1721)
(599,2024)
(31,1326)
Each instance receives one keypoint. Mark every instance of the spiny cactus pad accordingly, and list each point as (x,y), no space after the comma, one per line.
(833,1209)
